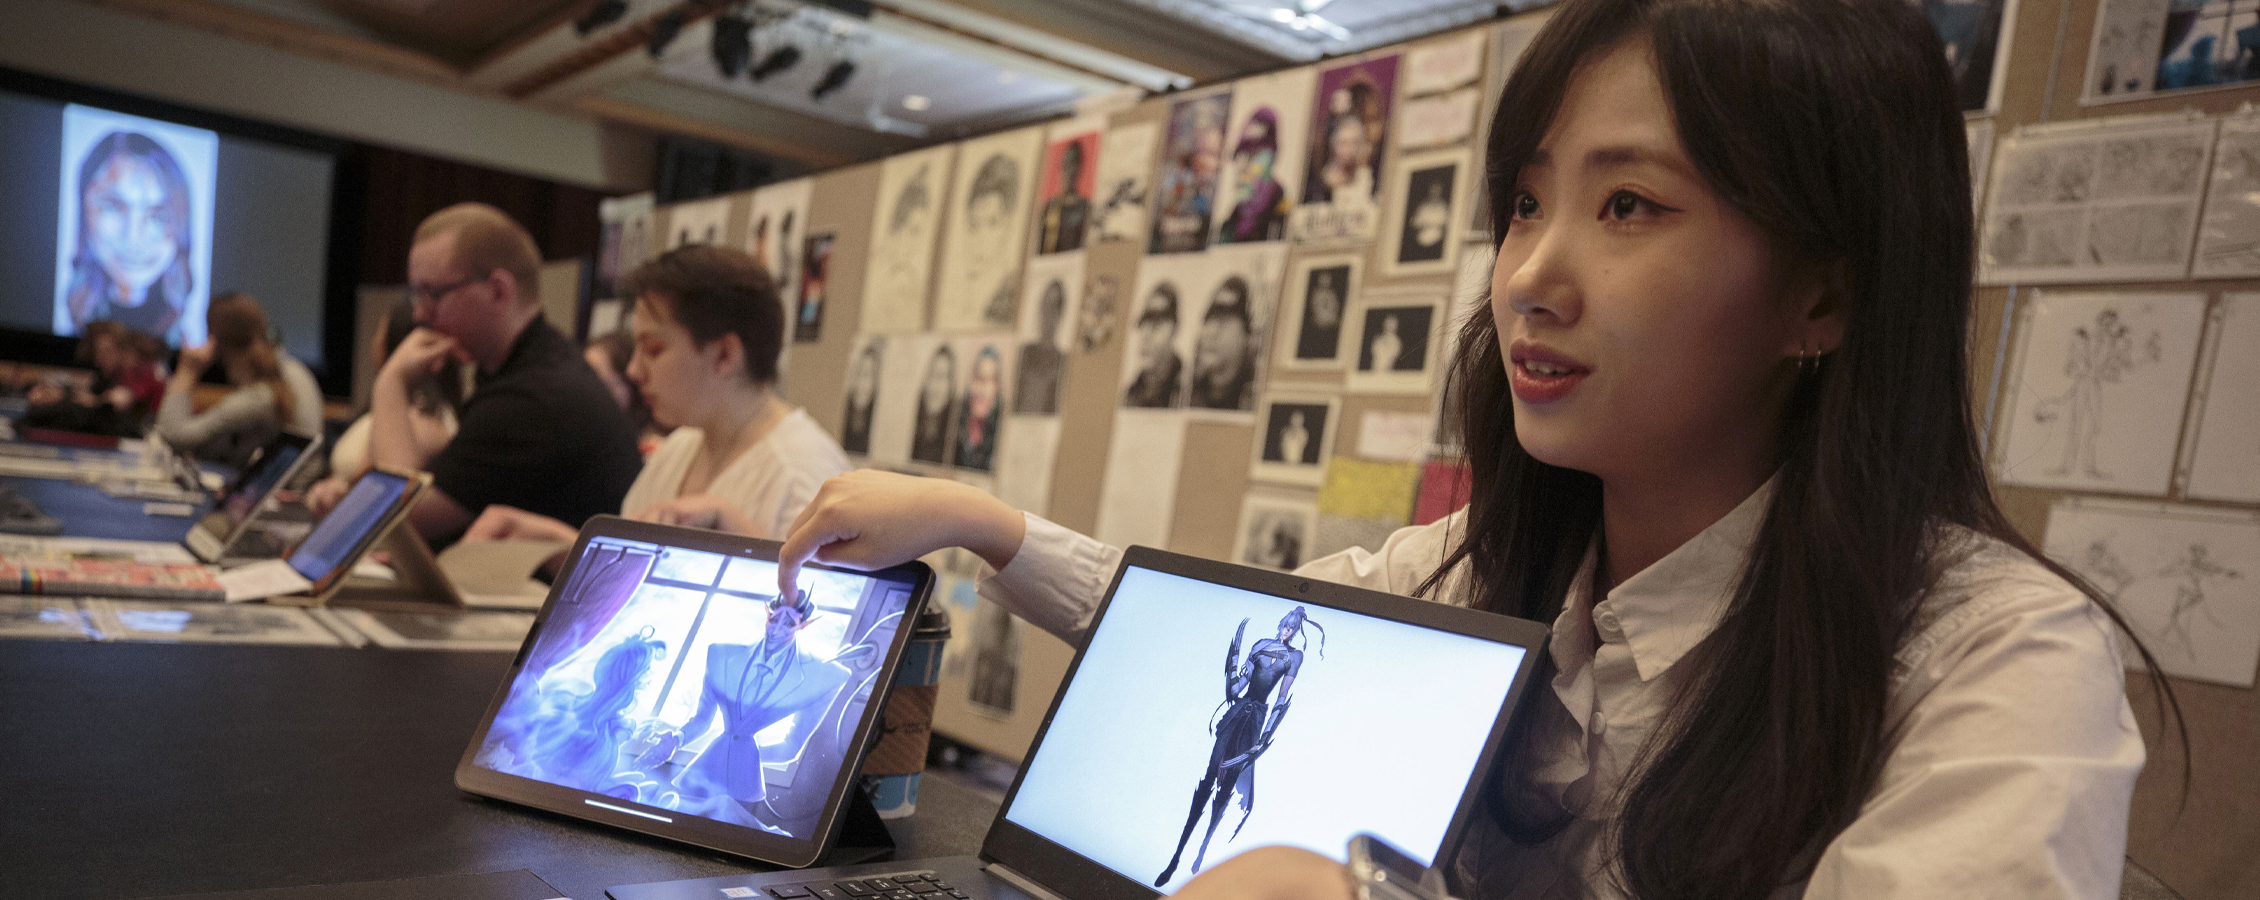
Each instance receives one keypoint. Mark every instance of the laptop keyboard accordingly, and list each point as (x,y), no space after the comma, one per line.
(907,886)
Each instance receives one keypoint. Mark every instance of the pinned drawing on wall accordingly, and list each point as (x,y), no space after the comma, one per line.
(777,229)
(1065,190)
(1275,531)
(1192,154)
(933,422)
(984,240)
(2228,241)
(1025,458)
(2224,459)
(1439,120)
(1161,332)
(909,391)
(1976,36)
(2186,578)
(1095,323)
(1126,165)
(1047,312)
(2098,379)
(2143,48)
(626,243)
(996,660)
(813,287)
(1442,65)
(1394,435)
(1350,120)
(982,401)
(1295,438)
(2082,202)
(702,222)
(1270,122)
(866,364)
(1317,303)
(1239,290)
(1397,342)
(1471,290)
(904,225)
(1424,213)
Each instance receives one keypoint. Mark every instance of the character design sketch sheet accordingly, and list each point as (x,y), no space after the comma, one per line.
(2085,202)
(2187,578)
(985,238)
(1350,122)
(2099,385)
(2228,242)
(776,226)
(1047,312)
(1204,720)
(134,224)
(1270,121)
(2143,48)
(1126,166)
(678,679)
(2225,440)
(904,229)
(1192,156)
(703,222)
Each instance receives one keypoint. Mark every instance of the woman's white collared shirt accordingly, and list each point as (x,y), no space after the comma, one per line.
(2012,757)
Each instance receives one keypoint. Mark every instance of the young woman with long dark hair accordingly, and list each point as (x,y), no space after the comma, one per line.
(1720,433)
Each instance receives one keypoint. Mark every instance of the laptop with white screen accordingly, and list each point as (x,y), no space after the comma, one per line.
(1212,709)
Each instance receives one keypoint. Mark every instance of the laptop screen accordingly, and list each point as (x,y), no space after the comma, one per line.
(669,681)
(1321,724)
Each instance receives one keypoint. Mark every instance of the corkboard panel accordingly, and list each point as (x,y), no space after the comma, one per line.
(840,202)
(1209,486)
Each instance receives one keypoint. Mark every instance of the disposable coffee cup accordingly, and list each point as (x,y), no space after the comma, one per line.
(891,770)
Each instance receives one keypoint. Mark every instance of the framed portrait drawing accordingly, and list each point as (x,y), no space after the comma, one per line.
(1294,438)
(1317,300)
(1426,223)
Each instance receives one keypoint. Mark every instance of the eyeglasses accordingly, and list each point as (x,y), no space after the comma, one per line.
(433,294)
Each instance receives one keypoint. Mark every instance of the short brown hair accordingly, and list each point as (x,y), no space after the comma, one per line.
(487,239)
(715,291)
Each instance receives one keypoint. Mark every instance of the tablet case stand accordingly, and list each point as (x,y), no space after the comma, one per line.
(863,835)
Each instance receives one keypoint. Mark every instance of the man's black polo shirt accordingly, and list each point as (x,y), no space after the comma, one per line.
(541,434)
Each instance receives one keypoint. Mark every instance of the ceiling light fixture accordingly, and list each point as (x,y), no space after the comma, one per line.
(834,79)
(917,102)
(777,61)
(600,14)
(733,42)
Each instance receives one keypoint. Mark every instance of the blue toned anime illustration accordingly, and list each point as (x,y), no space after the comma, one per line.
(680,679)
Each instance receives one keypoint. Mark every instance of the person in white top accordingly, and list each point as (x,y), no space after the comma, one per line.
(708,329)
(1719,427)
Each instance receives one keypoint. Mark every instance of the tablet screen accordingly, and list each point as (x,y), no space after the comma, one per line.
(346,528)
(671,684)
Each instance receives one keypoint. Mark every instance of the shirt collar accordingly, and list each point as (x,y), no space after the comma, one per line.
(1666,609)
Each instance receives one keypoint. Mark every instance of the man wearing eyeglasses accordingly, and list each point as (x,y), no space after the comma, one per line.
(540,432)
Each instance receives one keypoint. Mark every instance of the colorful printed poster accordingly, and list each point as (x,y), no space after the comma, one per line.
(1192,151)
(1270,121)
(1063,194)
(1342,181)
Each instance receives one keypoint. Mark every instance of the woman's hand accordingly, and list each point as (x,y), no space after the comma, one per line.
(193,361)
(868,519)
(324,495)
(1273,873)
(701,511)
(508,523)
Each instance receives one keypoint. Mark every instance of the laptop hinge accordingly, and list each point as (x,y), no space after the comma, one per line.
(1024,883)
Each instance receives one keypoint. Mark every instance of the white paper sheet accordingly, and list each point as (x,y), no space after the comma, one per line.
(1395,436)
(1980,139)
(1126,166)
(1439,120)
(263,579)
(499,573)
(2228,242)
(205,623)
(2098,384)
(776,226)
(160,552)
(2187,578)
(2090,202)
(913,187)
(1445,64)
(2225,454)
(1024,463)
(1138,499)
(984,238)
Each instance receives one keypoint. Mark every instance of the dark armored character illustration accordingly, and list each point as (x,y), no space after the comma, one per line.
(1246,728)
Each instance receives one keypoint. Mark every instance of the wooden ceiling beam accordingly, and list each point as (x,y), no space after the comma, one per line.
(282,34)
(597,51)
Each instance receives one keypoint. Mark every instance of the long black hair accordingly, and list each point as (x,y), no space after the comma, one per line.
(1834,126)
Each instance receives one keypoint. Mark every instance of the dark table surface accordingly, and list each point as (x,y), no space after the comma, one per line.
(140,770)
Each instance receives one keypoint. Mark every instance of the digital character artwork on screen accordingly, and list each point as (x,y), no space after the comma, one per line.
(679,679)
(1245,727)
(134,231)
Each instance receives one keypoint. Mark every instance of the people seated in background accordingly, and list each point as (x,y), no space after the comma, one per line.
(129,381)
(273,392)
(540,432)
(708,329)
(433,401)
(609,355)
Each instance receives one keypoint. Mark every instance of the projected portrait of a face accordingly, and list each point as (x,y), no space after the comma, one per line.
(136,224)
